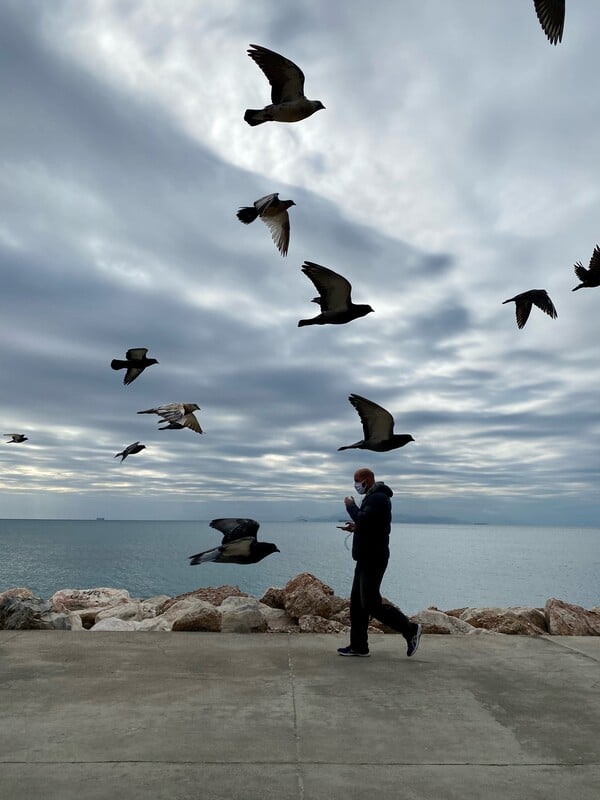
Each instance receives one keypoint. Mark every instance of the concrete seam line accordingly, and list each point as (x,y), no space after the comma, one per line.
(299,777)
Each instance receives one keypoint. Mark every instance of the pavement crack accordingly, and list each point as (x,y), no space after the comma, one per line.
(569,647)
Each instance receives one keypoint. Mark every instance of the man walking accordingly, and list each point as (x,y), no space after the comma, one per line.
(371,523)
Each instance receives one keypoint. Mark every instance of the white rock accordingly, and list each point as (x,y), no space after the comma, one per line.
(73,599)
(154,624)
(130,611)
(115,624)
(242,615)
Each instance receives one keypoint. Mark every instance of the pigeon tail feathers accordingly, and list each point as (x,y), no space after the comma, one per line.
(247,214)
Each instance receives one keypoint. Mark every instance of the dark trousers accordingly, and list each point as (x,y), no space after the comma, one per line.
(365,602)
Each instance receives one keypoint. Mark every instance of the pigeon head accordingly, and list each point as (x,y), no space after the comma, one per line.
(363,309)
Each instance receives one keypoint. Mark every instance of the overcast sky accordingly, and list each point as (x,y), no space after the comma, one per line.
(455,165)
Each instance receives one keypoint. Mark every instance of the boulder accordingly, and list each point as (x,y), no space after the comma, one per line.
(278,620)
(312,623)
(566,619)
(273,597)
(154,624)
(454,612)
(306,595)
(192,614)
(150,605)
(20,592)
(24,613)
(212,594)
(131,611)
(437,622)
(517,620)
(115,624)
(242,615)
(74,599)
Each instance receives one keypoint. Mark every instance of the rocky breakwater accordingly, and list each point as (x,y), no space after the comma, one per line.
(304,605)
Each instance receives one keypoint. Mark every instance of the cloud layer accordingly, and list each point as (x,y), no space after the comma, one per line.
(454,166)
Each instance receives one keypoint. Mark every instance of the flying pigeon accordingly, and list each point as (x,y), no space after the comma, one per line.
(589,277)
(239,545)
(378,427)
(136,447)
(16,438)
(524,301)
(551,14)
(178,415)
(135,363)
(287,90)
(273,213)
(334,297)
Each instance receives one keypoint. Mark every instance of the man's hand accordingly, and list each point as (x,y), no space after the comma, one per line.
(348,527)
(349,501)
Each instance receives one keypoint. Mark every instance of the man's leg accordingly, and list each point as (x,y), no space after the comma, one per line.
(359,614)
(389,615)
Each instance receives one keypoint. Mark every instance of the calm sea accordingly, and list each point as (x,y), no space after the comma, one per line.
(443,565)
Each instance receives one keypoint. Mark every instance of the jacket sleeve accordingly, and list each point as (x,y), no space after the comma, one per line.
(375,507)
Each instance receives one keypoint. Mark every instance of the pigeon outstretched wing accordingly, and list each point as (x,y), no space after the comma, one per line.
(551,14)
(234,528)
(334,290)
(285,77)
(378,424)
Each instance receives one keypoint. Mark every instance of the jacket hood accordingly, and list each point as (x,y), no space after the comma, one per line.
(380,486)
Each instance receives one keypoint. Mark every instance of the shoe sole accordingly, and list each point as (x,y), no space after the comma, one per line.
(354,655)
(419,634)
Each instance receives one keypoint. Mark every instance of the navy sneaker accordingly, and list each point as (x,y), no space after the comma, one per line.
(348,651)
(413,642)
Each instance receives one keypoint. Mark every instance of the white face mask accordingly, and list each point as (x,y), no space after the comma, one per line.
(360,487)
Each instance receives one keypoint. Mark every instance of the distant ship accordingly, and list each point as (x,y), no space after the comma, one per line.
(100,519)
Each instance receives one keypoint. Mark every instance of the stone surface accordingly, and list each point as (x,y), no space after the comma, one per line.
(150,605)
(242,615)
(114,624)
(193,614)
(278,620)
(312,623)
(212,594)
(566,619)
(121,611)
(154,624)
(73,599)
(20,592)
(515,620)
(307,595)
(23,613)
(438,622)
(274,597)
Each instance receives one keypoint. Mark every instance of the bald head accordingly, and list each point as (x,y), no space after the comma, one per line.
(364,476)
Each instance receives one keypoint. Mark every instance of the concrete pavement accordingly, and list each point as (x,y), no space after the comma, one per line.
(190,716)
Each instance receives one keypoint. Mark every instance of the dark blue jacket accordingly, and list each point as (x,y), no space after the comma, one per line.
(373,521)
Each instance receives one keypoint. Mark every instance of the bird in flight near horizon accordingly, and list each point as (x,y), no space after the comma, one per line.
(273,213)
(239,544)
(136,447)
(288,102)
(525,300)
(551,14)
(135,363)
(334,297)
(16,438)
(378,427)
(589,277)
(178,415)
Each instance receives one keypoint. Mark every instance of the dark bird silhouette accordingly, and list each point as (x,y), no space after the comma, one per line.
(136,447)
(589,277)
(551,14)
(273,213)
(378,427)
(334,297)
(135,363)
(16,438)
(178,415)
(239,544)
(289,103)
(525,300)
